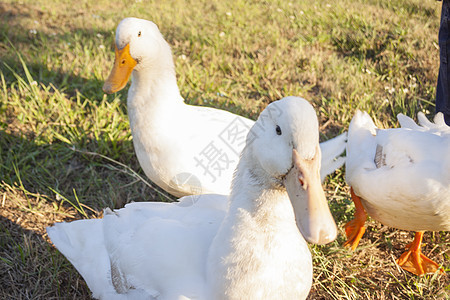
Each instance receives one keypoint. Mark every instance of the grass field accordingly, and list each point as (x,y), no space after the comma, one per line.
(66,149)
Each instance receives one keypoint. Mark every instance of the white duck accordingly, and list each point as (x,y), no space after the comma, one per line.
(401,177)
(244,246)
(184,149)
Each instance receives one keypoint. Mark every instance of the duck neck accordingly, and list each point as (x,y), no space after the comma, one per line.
(154,85)
(258,236)
(257,198)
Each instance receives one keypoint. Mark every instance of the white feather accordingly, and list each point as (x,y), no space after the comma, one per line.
(410,190)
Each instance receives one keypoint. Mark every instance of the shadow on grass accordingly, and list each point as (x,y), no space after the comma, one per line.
(30,268)
(58,173)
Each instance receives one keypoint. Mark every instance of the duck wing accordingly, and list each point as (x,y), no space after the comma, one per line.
(144,250)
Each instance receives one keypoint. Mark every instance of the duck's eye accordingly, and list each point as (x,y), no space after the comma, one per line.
(139,34)
(278,130)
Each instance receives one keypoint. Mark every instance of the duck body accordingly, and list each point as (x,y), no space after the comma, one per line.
(199,159)
(410,187)
(173,239)
(184,149)
(248,245)
(400,177)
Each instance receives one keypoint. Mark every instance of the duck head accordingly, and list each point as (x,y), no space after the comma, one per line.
(285,142)
(138,44)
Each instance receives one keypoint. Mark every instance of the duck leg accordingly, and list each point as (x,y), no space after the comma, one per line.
(355,229)
(414,261)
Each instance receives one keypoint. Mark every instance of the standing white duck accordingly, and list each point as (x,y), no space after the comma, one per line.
(401,177)
(244,246)
(184,149)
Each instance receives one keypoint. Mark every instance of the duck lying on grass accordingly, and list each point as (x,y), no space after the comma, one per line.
(401,177)
(184,149)
(244,246)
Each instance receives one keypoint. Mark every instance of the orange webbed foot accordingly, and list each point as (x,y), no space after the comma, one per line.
(355,229)
(414,261)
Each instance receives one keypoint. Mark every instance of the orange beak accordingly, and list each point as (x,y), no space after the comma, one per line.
(121,71)
(305,191)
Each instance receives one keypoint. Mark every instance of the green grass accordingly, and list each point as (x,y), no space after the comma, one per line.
(378,56)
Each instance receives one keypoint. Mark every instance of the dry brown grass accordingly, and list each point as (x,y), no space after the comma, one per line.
(30,268)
